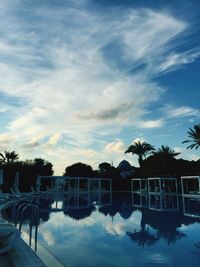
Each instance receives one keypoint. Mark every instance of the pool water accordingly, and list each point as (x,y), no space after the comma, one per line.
(119,230)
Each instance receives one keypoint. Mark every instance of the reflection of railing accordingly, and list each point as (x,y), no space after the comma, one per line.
(139,185)
(140,200)
(158,193)
(79,199)
(166,202)
(153,201)
(191,206)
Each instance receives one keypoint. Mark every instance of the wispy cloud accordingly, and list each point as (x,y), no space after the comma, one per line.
(184,111)
(54,139)
(175,60)
(5,139)
(83,74)
(151,123)
(34,142)
(87,153)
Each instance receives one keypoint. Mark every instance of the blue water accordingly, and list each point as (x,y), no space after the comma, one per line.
(115,231)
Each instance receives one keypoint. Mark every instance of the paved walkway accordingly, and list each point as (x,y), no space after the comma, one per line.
(20,256)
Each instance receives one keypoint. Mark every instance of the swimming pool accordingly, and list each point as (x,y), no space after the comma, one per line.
(118,230)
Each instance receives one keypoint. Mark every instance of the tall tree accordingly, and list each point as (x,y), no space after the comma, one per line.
(42,167)
(164,158)
(141,149)
(194,137)
(8,157)
(79,169)
(166,151)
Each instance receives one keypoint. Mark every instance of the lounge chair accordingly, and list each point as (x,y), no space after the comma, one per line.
(15,192)
(33,190)
(5,196)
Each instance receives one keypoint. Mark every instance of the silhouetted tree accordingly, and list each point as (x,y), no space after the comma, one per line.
(8,157)
(141,149)
(167,224)
(171,236)
(162,162)
(79,214)
(158,165)
(165,152)
(194,137)
(42,167)
(28,171)
(79,170)
(104,167)
(106,170)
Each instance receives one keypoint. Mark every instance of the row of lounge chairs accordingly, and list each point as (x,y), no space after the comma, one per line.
(9,234)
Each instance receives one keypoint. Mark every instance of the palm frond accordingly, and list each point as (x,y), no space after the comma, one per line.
(194,137)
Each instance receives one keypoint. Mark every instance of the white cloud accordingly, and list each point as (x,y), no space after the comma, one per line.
(5,138)
(53,140)
(174,61)
(88,153)
(72,84)
(116,229)
(6,141)
(34,141)
(47,236)
(151,123)
(183,111)
(115,146)
(121,227)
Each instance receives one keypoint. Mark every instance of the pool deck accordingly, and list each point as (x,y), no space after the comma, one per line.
(48,259)
(21,256)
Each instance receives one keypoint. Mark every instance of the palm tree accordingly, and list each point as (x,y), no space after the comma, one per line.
(8,157)
(164,158)
(141,149)
(194,135)
(166,151)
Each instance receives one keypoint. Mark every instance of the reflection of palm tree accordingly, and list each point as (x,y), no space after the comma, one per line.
(194,137)
(8,157)
(171,236)
(143,238)
(197,253)
(197,245)
(141,149)
(166,224)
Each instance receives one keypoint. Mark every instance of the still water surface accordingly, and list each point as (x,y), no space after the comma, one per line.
(119,229)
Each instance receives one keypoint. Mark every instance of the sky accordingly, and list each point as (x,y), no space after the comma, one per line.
(82,80)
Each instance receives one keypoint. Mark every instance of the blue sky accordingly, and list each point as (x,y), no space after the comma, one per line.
(81,80)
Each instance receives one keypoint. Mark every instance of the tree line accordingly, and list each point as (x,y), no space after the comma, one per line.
(162,161)
(28,171)
(152,162)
